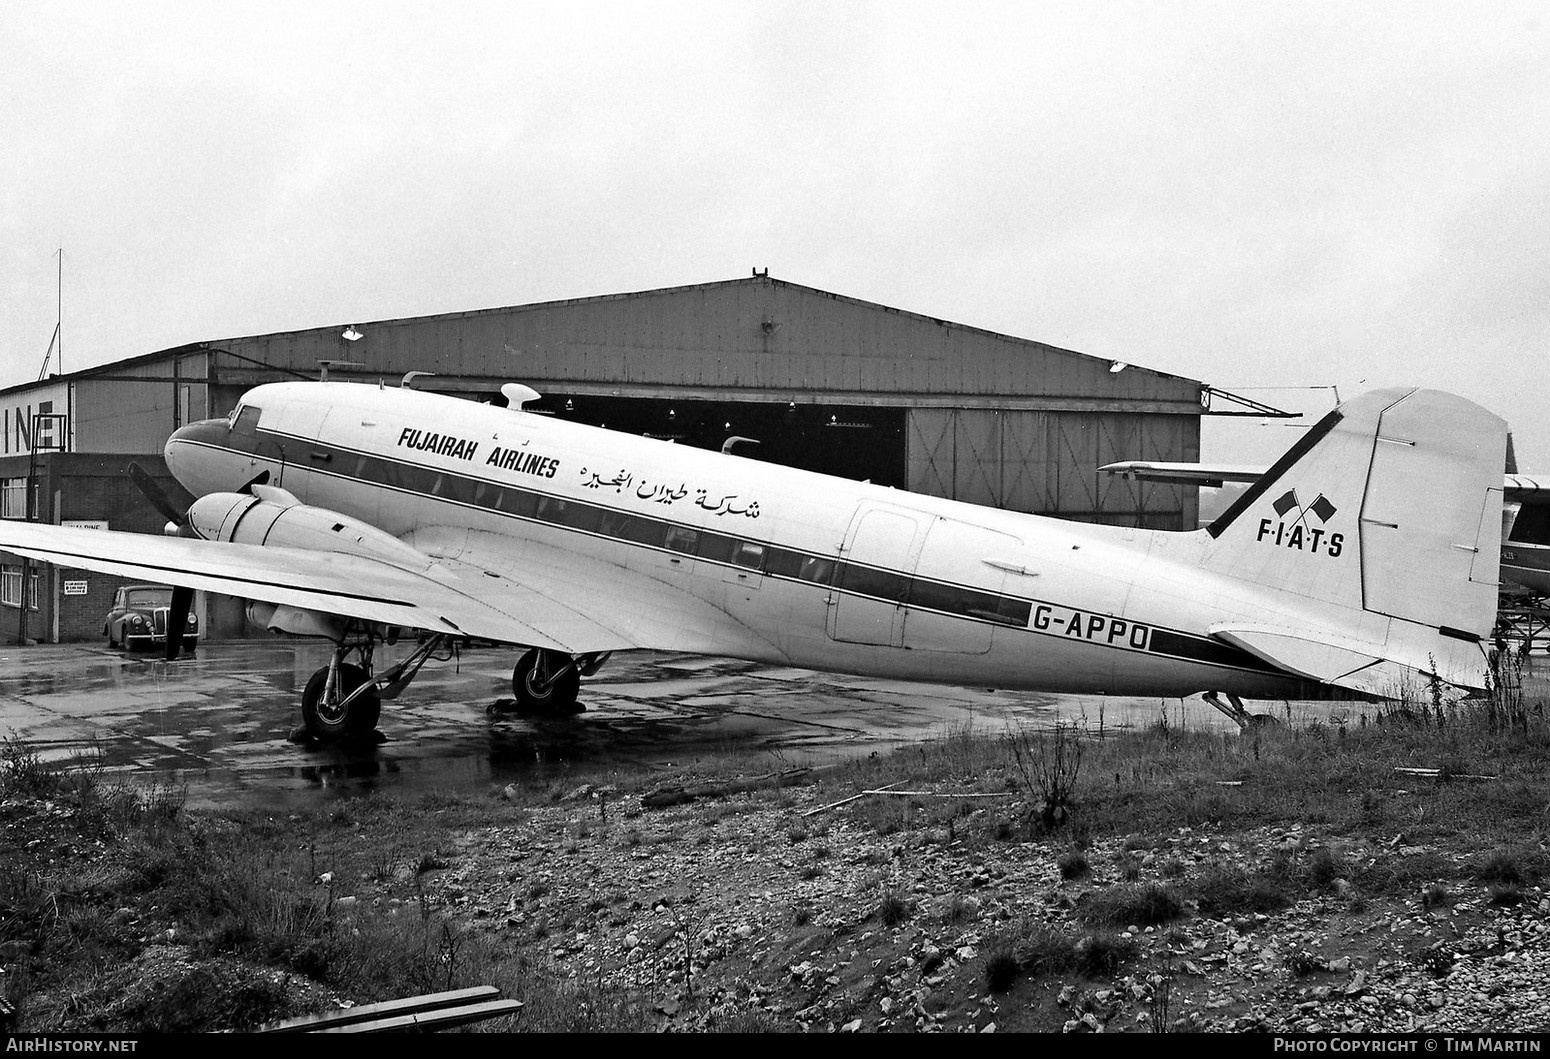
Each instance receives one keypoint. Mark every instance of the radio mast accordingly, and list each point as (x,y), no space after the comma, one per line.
(58,339)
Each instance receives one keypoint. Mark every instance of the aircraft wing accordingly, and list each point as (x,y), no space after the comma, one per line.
(439,599)
(1516,486)
(1183,473)
(577,597)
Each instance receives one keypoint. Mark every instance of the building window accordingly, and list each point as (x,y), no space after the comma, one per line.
(11,587)
(13,499)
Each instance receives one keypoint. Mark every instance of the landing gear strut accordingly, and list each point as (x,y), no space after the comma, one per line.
(549,681)
(339,701)
(344,699)
(1237,712)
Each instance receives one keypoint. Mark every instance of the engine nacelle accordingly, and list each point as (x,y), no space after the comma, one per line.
(271,516)
(294,621)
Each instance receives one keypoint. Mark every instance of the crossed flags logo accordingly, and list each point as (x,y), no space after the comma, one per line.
(1320,507)
(1295,530)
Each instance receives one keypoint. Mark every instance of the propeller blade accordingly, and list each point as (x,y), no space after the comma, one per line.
(177,619)
(157,496)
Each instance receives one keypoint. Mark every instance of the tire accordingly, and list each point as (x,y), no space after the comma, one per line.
(559,697)
(326,723)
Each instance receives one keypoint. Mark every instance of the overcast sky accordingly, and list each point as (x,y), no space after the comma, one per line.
(1274,198)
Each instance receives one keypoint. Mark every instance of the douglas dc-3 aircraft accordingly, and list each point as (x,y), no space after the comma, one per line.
(353,511)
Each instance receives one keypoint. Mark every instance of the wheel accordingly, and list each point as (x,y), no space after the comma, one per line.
(326,720)
(561,693)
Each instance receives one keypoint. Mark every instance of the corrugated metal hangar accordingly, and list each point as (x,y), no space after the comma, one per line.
(818,380)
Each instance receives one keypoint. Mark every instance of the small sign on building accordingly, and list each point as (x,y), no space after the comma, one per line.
(75,588)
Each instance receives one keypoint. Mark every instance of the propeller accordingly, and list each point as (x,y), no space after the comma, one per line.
(182,596)
(151,489)
(177,516)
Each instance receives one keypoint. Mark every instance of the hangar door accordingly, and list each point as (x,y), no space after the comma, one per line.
(1047,462)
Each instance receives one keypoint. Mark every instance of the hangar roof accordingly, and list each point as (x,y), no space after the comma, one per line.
(750,336)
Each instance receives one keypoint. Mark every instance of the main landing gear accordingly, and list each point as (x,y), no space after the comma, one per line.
(1237,712)
(344,699)
(548,681)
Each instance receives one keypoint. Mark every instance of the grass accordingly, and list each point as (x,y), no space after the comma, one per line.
(1133,904)
(107,867)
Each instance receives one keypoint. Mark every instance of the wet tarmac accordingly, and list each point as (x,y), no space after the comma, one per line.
(217,723)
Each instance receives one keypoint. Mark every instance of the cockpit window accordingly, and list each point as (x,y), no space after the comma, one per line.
(246,421)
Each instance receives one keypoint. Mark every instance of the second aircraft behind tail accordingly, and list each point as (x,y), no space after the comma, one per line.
(352,511)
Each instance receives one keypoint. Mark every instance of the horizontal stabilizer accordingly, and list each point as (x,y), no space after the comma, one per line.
(1395,670)
(1301,651)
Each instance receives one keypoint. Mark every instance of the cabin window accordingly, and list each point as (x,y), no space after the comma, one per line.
(817,569)
(642,530)
(682,539)
(581,516)
(749,554)
(614,524)
(778,562)
(718,547)
(517,502)
(456,487)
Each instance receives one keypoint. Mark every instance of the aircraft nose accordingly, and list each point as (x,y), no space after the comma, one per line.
(190,453)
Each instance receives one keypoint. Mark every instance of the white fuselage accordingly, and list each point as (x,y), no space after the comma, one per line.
(808,570)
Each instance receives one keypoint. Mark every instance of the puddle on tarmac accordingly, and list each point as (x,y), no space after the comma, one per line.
(218,723)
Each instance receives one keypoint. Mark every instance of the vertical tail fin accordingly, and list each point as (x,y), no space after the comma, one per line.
(1380,534)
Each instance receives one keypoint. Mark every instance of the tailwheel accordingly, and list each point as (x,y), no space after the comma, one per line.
(329,713)
(546,681)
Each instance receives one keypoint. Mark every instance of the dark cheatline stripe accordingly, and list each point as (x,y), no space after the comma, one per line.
(1212,652)
(854,578)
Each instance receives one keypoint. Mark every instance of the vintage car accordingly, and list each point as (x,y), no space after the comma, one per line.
(139,618)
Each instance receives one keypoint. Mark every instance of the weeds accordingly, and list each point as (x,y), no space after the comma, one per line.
(23,772)
(1159,997)
(892,909)
(1502,867)
(1073,864)
(1229,891)
(1325,868)
(1140,904)
(1102,954)
(1001,969)
(1049,767)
